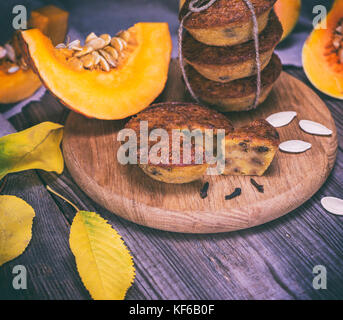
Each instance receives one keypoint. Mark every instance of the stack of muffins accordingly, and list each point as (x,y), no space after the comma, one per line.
(219,52)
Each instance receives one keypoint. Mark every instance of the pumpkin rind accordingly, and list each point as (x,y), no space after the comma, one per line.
(323,70)
(116,94)
(288,12)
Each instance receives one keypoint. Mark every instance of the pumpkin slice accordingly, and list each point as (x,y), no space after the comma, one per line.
(288,12)
(17,84)
(323,53)
(137,78)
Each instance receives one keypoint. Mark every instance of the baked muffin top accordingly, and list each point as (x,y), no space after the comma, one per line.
(199,53)
(223,12)
(179,115)
(236,88)
(258,129)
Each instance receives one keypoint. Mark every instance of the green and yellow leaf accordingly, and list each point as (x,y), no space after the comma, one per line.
(16,217)
(103,261)
(34,148)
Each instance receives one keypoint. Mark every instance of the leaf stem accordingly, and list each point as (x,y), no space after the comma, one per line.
(63,198)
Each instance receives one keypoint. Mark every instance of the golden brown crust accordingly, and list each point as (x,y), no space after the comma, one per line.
(199,53)
(178,115)
(224,12)
(235,89)
(257,130)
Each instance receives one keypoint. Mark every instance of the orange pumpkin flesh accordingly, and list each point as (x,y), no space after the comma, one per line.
(23,83)
(320,59)
(288,11)
(116,94)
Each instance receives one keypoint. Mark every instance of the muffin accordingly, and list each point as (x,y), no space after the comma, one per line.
(225,64)
(226,23)
(182,116)
(250,150)
(237,95)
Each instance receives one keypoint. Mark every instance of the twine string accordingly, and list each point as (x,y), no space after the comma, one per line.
(197,6)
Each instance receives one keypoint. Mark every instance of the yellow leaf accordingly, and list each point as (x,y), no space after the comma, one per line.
(16,217)
(103,261)
(34,148)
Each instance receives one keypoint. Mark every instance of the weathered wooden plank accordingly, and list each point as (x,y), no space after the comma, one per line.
(50,265)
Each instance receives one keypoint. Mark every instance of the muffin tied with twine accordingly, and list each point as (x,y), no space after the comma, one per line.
(223,41)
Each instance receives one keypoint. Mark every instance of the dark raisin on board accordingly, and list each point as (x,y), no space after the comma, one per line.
(203,191)
(236,193)
(259,187)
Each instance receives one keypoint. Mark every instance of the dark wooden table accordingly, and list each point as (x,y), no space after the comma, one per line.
(273,261)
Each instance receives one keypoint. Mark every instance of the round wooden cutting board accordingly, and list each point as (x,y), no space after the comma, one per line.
(90,151)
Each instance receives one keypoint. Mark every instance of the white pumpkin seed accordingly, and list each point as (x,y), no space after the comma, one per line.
(96,58)
(108,58)
(10,52)
(118,44)
(96,44)
(90,37)
(281,119)
(125,35)
(295,146)
(84,51)
(13,69)
(61,46)
(75,43)
(314,128)
(103,64)
(333,205)
(113,52)
(3,52)
(88,61)
(107,38)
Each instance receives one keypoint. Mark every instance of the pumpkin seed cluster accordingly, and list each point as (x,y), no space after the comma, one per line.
(11,60)
(98,53)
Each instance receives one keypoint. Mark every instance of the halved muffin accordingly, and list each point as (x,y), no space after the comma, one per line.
(181,116)
(225,64)
(250,150)
(237,95)
(226,23)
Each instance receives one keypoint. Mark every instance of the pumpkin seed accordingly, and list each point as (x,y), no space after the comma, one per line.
(314,128)
(103,64)
(10,52)
(61,46)
(107,38)
(90,37)
(109,58)
(113,52)
(88,61)
(96,56)
(281,119)
(3,52)
(333,205)
(118,44)
(96,44)
(295,146)
(125,35)
(85,50)
(13,69)
(75,43)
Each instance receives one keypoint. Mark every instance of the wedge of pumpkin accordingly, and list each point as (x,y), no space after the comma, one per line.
(115,94)
(17,86)
(323,53)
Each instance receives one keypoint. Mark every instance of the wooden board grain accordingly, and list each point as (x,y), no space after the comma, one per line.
(90,149)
